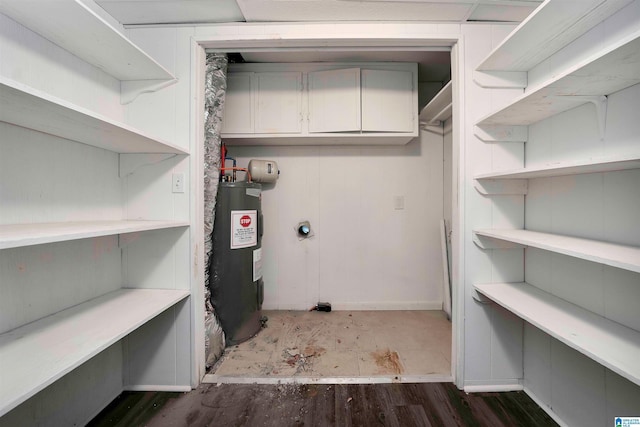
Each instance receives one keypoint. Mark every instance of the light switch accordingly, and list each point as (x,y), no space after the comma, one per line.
(398,202)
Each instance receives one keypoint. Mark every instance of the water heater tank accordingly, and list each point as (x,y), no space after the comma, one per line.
(263,170)
(237,289)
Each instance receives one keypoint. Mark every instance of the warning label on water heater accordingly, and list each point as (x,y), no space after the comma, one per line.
(257,264)
(244,229)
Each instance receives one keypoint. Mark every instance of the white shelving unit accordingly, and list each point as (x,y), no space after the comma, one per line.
(37,354)
(439,108)
(30,108)
(615,255)
(100,44)
(573,55)
(124,305)
(553,25)
(614,68)
(20,235)
(611,344)
(567,168)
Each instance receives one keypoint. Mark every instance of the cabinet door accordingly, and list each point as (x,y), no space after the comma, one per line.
(387,101)
(278,102)
(238,104)
(334,100)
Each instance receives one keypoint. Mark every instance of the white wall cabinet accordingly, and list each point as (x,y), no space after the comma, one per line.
(387,101)
(263,103)
(95,288)
(278,107)
(342,104)
(239,111)
(334,101)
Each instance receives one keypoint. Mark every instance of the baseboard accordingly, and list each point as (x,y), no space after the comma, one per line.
(380,379)
(169,388)
(545,408)
(493,386)
(360,306)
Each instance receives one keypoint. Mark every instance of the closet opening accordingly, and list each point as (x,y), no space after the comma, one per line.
(380,211)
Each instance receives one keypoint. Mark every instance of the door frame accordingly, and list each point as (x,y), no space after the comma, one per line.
(296,40)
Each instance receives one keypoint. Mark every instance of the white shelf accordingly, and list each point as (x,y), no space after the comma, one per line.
(18,235)
(440,107)
(39,353)
(615,255)
(73,26)
(552,26)
(566,168)
(341,139)
(614,68)
(24,106)
(611,344)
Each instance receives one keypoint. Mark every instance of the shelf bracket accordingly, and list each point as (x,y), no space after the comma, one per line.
(496,133)
(484,242)
(131,89)
(436,128)
(503,187)
(480,298)
(500,79)
(601,103)
(129,163)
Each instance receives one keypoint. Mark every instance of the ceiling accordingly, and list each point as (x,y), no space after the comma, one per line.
(134,12)
(434,64)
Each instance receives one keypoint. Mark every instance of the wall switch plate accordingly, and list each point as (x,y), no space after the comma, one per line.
(177,183)
(398,202)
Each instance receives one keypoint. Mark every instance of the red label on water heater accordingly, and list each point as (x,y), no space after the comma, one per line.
(244,232)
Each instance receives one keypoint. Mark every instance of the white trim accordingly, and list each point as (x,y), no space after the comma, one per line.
(160,388)
(490,388)
(457,213)
(196,167)
(367,305)
(292,40)
(222,379)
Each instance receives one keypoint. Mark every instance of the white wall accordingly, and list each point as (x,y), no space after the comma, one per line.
(365,254)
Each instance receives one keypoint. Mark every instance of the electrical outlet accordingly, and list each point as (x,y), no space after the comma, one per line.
(177,183)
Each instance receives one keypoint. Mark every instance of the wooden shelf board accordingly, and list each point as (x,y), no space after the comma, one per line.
(320,139)
(613,69)
(73,26)
(19,235)
(563,169)
(615,255)
(611,344)
(552,26)
(24,106)
(439,108)
(39,353)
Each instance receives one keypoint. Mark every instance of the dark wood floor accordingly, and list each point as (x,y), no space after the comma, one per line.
(405,405)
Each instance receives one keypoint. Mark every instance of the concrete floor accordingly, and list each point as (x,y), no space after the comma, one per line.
(315,344)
